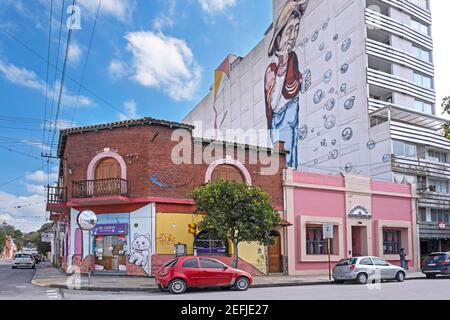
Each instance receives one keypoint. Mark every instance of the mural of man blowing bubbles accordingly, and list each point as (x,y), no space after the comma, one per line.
(283,79)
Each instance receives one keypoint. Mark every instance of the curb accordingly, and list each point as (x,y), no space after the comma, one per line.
(155,289)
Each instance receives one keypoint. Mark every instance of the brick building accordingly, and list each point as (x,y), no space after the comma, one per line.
(136,175)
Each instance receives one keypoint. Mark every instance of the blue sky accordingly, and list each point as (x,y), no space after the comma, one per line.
(149,58)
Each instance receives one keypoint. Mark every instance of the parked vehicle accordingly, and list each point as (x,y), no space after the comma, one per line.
(195,272)
(24,260)
(437,263)
(363,269)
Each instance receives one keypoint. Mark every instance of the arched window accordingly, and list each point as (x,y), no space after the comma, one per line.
(228,172)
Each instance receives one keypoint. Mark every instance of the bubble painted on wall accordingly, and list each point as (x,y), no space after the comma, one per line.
(323,143)
(371,144)
(344,68)
(315,36)
(335,37)
(333,154)
(349,167)
(334,142)
(330,104)
(318,96)
(343,87)
(327,76)
(348,105)
(303,132)
(328,56)
(346,44)
(330,122)
(386,158)
(322,46)
(347,134)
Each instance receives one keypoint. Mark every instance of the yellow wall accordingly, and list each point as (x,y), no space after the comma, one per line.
(172,228)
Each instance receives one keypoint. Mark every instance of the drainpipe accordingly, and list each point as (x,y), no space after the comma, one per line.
(285,231)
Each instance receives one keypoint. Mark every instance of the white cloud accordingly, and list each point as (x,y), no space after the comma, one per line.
(130,111)
(165,62)
(75,53)
(120,9)
(117,69)
(30,217)
(166,19)
(61,125)
(36,189)
(216,6)
(28,78)
(41,176)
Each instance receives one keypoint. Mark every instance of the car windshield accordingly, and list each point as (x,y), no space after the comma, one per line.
(347,262)
(22,256)
(436,257)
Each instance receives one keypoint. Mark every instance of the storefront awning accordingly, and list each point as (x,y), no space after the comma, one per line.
(284,223)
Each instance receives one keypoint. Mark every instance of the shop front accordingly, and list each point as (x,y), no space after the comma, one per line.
(120,243)
(365,217)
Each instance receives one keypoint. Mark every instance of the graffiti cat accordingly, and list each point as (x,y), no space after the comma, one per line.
(141,250)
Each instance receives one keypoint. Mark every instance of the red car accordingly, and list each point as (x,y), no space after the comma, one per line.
(195,272)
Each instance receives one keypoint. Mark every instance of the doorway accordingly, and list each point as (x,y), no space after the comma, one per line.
(359,241)
(110,253)
(275,257)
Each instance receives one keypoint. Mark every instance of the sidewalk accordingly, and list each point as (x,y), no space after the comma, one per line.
(48,276)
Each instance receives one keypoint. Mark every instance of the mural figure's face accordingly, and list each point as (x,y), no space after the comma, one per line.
(288,37)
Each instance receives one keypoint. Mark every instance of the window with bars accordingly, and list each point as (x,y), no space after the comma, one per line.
(391,241)
(315,243)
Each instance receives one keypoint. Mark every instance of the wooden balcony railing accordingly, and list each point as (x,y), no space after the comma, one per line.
(100,188)
(56,195)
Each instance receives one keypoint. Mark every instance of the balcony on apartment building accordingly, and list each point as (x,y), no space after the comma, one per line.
(56,199)
(100,191)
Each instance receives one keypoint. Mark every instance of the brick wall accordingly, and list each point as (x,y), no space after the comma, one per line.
(152,147)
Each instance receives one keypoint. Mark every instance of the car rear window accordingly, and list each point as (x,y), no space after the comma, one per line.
(347,262)
(436,257)
(170,263)
(23,256)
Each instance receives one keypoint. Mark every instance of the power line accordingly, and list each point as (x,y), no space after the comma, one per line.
(86,62)
(20,177)
(22,153)
(48,69)
(57,61)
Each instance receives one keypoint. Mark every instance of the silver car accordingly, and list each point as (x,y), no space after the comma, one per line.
(363,269)
(24,260)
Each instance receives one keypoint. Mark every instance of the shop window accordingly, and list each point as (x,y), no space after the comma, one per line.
(191,263)
(315,244)
(392,241)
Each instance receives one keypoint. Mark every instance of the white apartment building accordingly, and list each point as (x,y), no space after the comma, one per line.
(349,86)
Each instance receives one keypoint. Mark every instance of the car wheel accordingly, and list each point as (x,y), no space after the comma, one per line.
(362,278)
(431,276)
(400,276)
(242,284)
(177,286)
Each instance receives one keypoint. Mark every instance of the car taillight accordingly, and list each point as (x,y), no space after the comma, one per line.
(352,267)
(444,263)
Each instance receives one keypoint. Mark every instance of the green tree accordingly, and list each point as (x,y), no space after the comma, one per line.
(446,107)
(237,212)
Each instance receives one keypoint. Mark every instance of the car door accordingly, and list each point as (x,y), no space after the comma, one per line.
(386,271)
(191,269)
(213,273)
(367,265)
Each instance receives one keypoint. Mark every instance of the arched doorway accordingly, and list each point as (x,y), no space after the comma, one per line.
(107,177)
(227,172)
(275,257)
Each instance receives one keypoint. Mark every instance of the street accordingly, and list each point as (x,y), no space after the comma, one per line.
(15,285)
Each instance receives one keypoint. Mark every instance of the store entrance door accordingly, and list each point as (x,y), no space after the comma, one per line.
(110,253)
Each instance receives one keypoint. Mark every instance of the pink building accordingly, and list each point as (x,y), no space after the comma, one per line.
(368,217)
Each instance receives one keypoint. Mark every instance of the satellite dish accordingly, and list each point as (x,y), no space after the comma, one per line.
(87,220)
